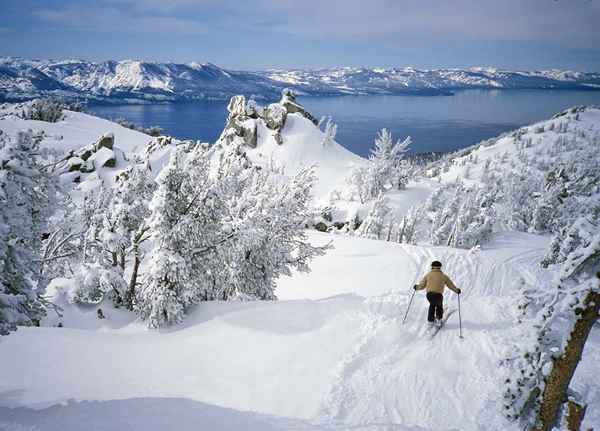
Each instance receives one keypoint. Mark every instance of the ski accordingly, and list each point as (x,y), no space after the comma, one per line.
(429,329)
(444,320)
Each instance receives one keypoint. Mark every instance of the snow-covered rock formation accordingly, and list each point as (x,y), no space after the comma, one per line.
(286,134)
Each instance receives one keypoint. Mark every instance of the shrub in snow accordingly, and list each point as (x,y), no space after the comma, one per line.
(50,110)
(93,281)
(222,229)
(25,197)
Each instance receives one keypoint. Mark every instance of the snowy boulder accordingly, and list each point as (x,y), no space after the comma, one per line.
(236,106)
(74,164)
(274,116)
(86,152)
(104,158)
(106,141)
(245,129)
(241,122)
(252,109)
(288,101)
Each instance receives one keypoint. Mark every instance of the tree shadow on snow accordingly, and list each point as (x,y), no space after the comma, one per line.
(148,414)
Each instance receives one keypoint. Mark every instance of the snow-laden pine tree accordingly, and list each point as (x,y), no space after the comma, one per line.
(26,194)
(329,131)
(97,240)
(406,228)
(170,283)
(125,226)
(222,228)
(475,219)
(443,224)
(377,221)
(98,273)
(384,170)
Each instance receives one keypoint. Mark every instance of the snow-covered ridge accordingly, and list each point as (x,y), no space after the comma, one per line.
(130,80)
(350,80)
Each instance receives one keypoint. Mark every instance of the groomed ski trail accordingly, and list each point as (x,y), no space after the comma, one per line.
(397,375)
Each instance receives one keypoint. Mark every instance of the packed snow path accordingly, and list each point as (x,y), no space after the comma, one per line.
(397,375)
(332,353)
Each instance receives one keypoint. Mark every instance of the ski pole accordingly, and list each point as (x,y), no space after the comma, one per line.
(459,319)
(410,302)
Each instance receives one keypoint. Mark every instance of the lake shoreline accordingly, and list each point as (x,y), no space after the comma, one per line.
(436,124)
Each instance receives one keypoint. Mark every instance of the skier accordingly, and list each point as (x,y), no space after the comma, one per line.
(434,283)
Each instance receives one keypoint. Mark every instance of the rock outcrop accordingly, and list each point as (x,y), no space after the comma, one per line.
(242,121)
(99,154)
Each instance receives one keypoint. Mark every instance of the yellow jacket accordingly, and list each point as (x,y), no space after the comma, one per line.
(435,280)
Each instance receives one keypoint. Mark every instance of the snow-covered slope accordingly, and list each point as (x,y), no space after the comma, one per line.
(132,81)
(286,135)
(546,146)
(74,143)
(303,146)
(76,130)
(333,351)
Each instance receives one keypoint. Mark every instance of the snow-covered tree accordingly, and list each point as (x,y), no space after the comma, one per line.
(49,109)
(444,221)
(559,319)
(125,226)
(405,230)
(169,285)
(474,221)
(377,222)
(329,131)
(26,194)
(384,170)
(221,229)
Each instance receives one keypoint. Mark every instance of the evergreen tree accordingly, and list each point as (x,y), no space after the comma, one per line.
(26,194)
(222,229)
(384,170)
(377,220)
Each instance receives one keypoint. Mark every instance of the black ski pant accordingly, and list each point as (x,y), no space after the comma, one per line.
(436,306)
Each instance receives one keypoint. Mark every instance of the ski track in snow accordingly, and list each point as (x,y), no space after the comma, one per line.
(396,375)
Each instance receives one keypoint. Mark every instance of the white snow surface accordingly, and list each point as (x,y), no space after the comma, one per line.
(75,131)
(333,353)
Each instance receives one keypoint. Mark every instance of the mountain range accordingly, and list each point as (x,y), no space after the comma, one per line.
(131,81)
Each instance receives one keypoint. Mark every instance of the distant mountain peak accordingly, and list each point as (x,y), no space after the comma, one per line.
(134,80)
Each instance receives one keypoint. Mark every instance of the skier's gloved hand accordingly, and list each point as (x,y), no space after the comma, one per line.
(416,286)
(458,291)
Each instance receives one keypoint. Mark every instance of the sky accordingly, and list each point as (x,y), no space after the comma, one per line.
(261,34)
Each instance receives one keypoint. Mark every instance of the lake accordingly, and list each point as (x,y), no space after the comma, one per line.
(435,123)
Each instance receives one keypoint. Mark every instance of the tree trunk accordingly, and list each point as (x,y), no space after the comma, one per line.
(575,414)
(133,280)
(555,391)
